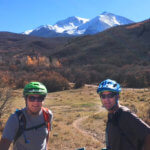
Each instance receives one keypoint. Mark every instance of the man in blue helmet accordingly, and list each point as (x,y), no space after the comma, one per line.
(124,130)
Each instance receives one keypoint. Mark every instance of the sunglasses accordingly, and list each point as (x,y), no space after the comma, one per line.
(34,98)
(111,95)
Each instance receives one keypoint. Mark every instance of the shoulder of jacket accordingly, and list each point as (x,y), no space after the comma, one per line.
(124,109)
(127,113)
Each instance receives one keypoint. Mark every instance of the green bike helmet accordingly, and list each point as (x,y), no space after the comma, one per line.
(34,88)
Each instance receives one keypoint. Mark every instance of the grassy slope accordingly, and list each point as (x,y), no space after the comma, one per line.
(69,106)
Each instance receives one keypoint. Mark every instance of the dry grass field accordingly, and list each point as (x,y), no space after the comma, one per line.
(79,119)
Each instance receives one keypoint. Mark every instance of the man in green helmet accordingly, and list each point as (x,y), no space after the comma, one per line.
(29,128)
(124,130)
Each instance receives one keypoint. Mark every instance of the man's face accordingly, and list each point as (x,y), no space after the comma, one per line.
(34,103)
(109,99)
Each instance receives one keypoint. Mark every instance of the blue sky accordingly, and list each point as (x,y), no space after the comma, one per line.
(21,15)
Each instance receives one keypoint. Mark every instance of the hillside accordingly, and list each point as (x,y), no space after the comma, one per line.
(121,53)
(130,44)
(11,42)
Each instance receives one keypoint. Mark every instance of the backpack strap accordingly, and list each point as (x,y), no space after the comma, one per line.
(35,127)
(22,123)
(47,117)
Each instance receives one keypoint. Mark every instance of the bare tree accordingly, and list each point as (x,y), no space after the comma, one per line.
(5,94)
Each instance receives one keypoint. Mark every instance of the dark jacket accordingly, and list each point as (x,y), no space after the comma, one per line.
(125,131)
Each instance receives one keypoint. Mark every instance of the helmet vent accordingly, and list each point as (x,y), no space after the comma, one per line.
(114,85)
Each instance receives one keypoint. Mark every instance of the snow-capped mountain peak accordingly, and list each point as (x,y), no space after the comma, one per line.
(69,25)
(83,20)
(49,27)
(103,22)
(107,13)
(109,19)
(71,21)
(74,25)
(119,20)
(27,32)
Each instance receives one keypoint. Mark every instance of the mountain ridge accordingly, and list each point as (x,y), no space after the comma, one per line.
(76,26)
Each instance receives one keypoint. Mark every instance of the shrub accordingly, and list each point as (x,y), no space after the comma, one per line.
(52,80)
(55,83)
(79,83)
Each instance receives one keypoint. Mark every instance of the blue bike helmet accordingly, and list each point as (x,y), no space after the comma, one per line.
(109,85)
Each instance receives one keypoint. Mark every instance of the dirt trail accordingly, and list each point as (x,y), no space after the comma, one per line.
(77,124)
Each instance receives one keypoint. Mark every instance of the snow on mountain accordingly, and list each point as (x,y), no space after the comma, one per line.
(74,26)
(61,28)
(45,31)
(44,27)
(113,19)
(48,27)
(70,24)
(27,32)
(95,25)
(103,22)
